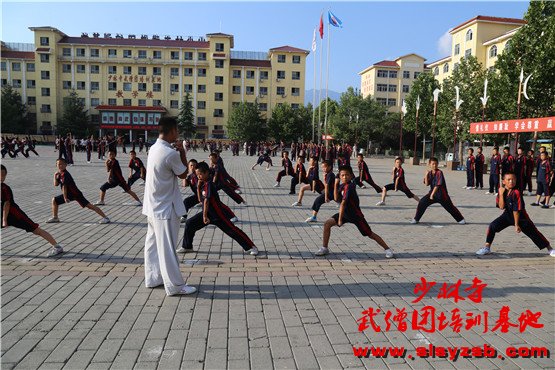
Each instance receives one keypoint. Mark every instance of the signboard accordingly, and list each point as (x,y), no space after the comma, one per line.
(142,118)
(134,118)
(127,118)
(150,118)
(127,127)
(120,118)
(515,125)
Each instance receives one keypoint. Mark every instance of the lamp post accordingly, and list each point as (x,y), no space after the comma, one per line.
(416,125)
(458,103)
(403,112)
(436,98)
(484,100)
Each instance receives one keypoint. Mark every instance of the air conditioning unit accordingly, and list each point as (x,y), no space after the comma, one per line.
(172,92)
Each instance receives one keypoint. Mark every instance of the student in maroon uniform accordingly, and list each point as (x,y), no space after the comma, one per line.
(530,165)
(479,168)
(287,168)
(220,178)
(438,194)
(470,167)
(300,175)
(520,170)
(213,213)
(507,161)
(70,192)
(89,148)
(313,182)
(349,212)
(225,176)
(364,174)
(542,179)
(398,183)
(12,215)
(494,167)
(510,200)
(329,190)
(115,179)
(137,169)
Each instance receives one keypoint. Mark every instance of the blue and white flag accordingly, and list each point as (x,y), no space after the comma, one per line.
(334,21)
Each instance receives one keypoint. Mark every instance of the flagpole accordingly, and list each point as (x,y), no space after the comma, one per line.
(327,83)
(320,91)
(314,91)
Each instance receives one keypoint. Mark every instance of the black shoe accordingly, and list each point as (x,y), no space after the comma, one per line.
(291,193)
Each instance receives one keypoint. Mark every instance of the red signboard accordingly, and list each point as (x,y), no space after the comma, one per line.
(129,127)
(514,125)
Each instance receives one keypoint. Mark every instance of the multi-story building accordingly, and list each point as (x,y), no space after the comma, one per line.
(389,81)
(128,83)
(482,37)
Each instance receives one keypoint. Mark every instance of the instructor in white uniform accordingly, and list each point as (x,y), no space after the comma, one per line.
(163,206)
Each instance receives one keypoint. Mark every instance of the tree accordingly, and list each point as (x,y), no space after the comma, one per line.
(290,124)
(186,118)
(74,117)
(422,87)
(14,112)
(246,124)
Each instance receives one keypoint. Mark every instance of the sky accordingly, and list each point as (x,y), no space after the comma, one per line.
(372,31)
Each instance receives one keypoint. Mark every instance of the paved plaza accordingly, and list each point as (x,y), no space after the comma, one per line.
(283,309)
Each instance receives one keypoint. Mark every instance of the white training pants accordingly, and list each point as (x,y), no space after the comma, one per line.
(161,262)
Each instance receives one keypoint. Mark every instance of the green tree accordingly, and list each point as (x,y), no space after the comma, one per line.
(422,87)
(14,112)
(186,118)
(290,124)
(74,117)
(246,124)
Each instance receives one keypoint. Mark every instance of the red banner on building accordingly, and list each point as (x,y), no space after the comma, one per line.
(129,127)
(514,125)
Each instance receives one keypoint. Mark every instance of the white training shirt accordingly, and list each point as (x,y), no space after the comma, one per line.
(162,196)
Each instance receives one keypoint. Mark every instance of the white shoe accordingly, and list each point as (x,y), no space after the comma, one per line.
(322,251)
(488,193)
(253,251)
(552,252)
(105,220)
(238,191)
(183,219)
(529,193)
(380,203)
(496,194)
(413,221)
(462,222)
(123,191)
(277,185)
(311,219)
(99,203)
(186,289)
(55,251)
(53,220)
(465,187)
(552,206)
(137,203)
(389,253)
(483,251)
(184,250)
(234,219)
(363,187)
(296,204)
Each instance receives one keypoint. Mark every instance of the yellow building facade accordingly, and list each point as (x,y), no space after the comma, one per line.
(483,37)
(128,83)
(389,81)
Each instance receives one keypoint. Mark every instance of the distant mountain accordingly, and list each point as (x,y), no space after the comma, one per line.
(333,95)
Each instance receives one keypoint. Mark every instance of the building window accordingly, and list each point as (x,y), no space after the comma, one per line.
(188,88)
(236,73)
(405,88)
(469,35)
(80,52)
(45,108)
(45,58)
(219,63)
(236,89)
(156,54)
(508,45)
(66,85)
(455,66)
(127,53)
(235,104)
(201,104)
(436,71)
(445,68)
(44,41)
(201,72)
(127,86)
(45,75)
(112,101)
(156,87)
(382,87)
(16,67)
(392,88)
(142,71)
(219,80)
(296,59)
(294,106)
(188,72)
(416,74)
(112,53)
(382,73)
(250,74)
(142,102)
(263,107)
(4,82)
(263,91)
(142,54)
(95,86)
(80,68)
(95,102)
(457,49)
(174,104)
(249,90)
(281,58)
(280,90)
(219,46)
(281,75)
(392,74)
(295,91)
(174,88)
(80,85)
(218,112)
(201,121)
(156,103)
(296,75)
(188,55)
(112,69)
(467,53)
(126,70)
(141,86)
(95,69)
(263,75)
(31,100)
(66,68)
(3,66)
(202,56)
(392,102)
(174,55)
(112,86)
(66,52)
(406,74)
(219,96)
(31,84)
(127,102)
(95,53)
(201,89)
(17,83)
(157,71)
(493,51)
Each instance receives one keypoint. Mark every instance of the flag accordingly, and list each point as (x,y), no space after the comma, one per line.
(321,28)
(314,41)
(334,21)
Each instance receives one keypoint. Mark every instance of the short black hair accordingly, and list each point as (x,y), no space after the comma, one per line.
(113,151)
(132,152)
(521,148)
(167,124)
(193,161)
(327,163)
(471,150)
(496,147)
(360,155)
(214,154)
(315,159)
(346,168)
(400,159)
(433,159)
(480,147)
(3,168)
(507,148)
(61,160)
(284,152)
(202,167)
(509,173)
